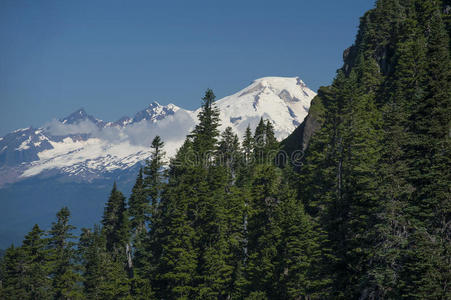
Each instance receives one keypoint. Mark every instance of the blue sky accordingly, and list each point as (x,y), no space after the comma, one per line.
(115,57)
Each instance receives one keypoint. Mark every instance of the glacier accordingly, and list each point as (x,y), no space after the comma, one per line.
(83,147)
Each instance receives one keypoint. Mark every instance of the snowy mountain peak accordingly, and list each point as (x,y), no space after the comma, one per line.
(288,88)
(81,115)
(282,100)
(83,147)
(78,115)
(155,112)
(155,104)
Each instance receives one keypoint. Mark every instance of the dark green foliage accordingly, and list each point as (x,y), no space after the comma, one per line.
(376,176)
(154,175)
(62,258)
(12,271)
(25,270)
(37,270)
(116,224)
(364,213)
(229,154)
(103,277)
(138,211)
(265,144)
(205,134)
(138,206)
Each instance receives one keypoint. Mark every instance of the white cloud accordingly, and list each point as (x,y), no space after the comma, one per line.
(172,128)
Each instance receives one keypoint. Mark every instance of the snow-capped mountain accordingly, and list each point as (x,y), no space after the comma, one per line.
(83,147)
(284,101)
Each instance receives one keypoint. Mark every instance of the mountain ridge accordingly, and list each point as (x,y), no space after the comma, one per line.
(84,147)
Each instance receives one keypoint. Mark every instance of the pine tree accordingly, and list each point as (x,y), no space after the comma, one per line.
(427,272)
(37,266)
(154,176)
(263,232)
(271,144)
(228,151)
(138,212)
(260,142)
(246,160)
(103,277)
(148,248)
(177,258)
(206,132)
(62,258)
(177,263)
(13,268)
(299,250)
(392,228)
(116,226)
(248,144)
(25,270)
(138,206)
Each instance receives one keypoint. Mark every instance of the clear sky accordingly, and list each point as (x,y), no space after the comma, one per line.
(115,57)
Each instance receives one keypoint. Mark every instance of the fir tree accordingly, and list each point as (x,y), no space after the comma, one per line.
(228,151)
(427,272)
(64,271)
(260,142)
(116,225)
(154,176)
(177,259)
(25,270)
(206,132)
(36,275)
(271,144)
(148,248)
(264,232)
(138,207)
(12,272)
(138,212)
(103,277)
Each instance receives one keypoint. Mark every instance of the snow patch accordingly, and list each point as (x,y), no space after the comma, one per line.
(25,145)
(284,101)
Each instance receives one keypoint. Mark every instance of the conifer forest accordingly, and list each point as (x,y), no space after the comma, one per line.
(354,204)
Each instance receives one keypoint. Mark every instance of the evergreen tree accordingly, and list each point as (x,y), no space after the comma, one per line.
(25,270)
(138,212)
(229,151)
(116,226)
(429,160)
(391,231)
(148,248)
(138,207)
(248,144)
(260,142)
(298,251)
(265,143)
(263,232)
(64,271)
(153,171)
(205,133)
(177,258)
(12,272)
(103,277)
(36,275)
(271,144)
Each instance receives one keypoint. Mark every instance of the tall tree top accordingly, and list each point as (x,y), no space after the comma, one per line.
(209,98)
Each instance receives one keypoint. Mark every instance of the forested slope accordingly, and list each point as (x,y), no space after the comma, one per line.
(365,216)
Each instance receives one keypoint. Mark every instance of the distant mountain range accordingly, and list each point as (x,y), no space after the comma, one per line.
(83,147)
(73,161)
